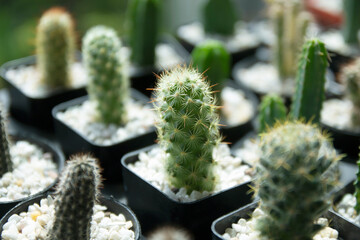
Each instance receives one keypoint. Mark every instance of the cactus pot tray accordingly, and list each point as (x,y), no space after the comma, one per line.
(153,208)
(35,111)
(58,158)
(347,230)
(111,204)
(72,141)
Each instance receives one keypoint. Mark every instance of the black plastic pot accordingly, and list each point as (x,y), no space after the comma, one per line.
(35,111)
(58,158)
(153,208)
(111,204)
(347,230)
(73,141)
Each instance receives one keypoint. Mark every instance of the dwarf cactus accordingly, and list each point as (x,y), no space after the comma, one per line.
(108,85)
(76,195)
(351,24)
(219,17)
(144,27)
(188,128)
(212,58)
(310,81)
(55,47)
(6,164)
(272,109)
(295,177)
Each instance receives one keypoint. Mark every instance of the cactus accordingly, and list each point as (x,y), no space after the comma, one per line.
(295,177)
(144,30)
(357,189)
(351,23)
(219,17)
(187,128)
(170,233)
(55,47)
(108,85)
(310,81)
(290,23)
(212,58)
(6,164)
(272,109)
(76,195)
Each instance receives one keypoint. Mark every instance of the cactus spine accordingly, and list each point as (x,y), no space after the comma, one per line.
(144,29)
(76,196)
(294,179)
(351,24)
(310,81)
(55,47)
(188,128)
(108,85)
(6,164)
(212,58)
(272,109)
(219,17)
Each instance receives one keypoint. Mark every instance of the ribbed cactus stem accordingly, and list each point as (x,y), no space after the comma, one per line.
(357,189)
(272,110)
(187,128)
(6,164)
(219,17)
(212,58)
(75,198)
(144,30)
(351,23)
(108,84)
(294,180)
(310,82)
(55,47)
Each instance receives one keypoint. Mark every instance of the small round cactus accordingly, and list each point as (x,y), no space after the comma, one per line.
(187,128)
(108,84)
(6,164)
(76,195)
(272,110)
(55,47)
(294,178)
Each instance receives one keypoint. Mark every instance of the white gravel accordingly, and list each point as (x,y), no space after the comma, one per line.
(346,208)
(245,229)
(140,120)
(34,223)
(33,171)
(231,171)
(334,6)
(250,152)
(334,41)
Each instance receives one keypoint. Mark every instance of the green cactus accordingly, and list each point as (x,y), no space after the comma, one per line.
(294,180)
(310,82)
(187,128)
(357,189)
(55,47)
(76,195)
(212,58)
(108,85)
(144,30)
(219,17)
(290,23)
(351,24)
(6,164)
(272,110)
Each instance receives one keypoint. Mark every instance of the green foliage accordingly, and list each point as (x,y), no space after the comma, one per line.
(272,110)
(212,58)
(108,86)
(75,198)
(357,189)
(310,82)
(187,128)
(294,178)
(351,24)
(219,17)
(6,164)
(55,47)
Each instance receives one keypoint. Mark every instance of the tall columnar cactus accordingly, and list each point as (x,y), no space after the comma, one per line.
(290,23)
(212,58)
(351,24)
(272,110)
(55,47)
(144,28)
(76,196)
(294,179)
(187,128)
(6,164)
(357,189)
(108,85)
(310,81)
(219,17)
